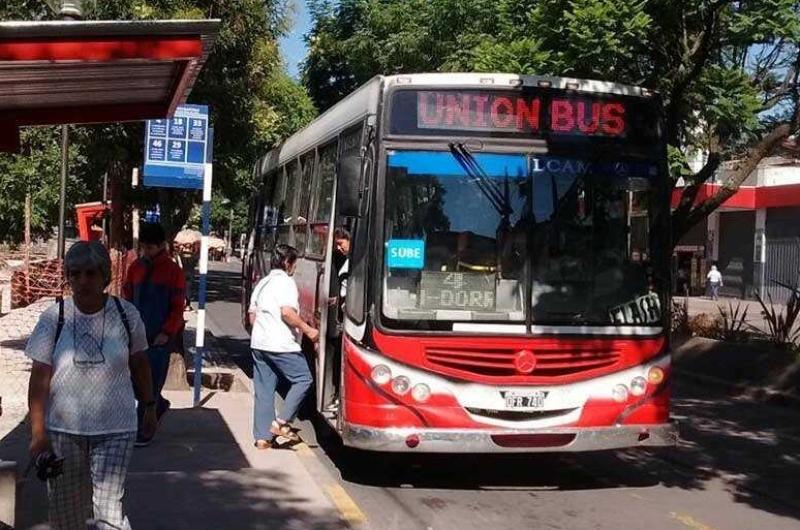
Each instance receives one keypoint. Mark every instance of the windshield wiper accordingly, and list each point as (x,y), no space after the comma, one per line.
(467,161)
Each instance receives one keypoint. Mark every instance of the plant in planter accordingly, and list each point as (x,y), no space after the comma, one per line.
(734,326)
(783,326)
(705,325)
(679,321)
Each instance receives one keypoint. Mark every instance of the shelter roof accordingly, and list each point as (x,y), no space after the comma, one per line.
(97,71)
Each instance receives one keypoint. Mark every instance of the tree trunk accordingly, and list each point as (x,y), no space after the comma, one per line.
(118,174)
(688,214)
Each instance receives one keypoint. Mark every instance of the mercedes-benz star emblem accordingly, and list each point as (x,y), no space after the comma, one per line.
(525,361)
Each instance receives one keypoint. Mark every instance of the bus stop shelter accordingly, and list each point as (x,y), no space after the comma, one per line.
(82,72)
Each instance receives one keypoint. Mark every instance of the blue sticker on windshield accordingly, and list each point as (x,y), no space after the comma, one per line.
(406,253)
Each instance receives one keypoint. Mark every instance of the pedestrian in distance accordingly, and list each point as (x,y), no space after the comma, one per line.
(274,317)
(189,254)
(714,278)
(155,285)
(86,351)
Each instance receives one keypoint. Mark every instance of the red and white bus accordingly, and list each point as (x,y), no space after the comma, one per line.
(509,270)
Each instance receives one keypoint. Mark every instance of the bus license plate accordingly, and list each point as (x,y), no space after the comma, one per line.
(528,400)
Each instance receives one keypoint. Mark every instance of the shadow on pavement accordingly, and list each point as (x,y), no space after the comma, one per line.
(753,447)
(194,475)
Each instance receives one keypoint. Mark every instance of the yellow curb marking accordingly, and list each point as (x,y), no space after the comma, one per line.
(345,504)
(690,521)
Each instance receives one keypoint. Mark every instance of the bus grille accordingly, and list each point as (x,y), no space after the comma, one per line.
(501,363)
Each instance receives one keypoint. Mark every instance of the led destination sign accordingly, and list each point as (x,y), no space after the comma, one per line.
(528,113)
(448,110)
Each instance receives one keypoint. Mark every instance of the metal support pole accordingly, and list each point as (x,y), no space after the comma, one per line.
(106,234)
(63,196)
(135,213)
(201,294)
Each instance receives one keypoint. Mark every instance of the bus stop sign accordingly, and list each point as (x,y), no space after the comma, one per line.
(176,150)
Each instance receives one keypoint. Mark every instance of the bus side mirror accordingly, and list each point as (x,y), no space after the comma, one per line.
(348,194)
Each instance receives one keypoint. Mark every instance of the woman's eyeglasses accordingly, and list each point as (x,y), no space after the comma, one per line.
(90,274)
(88,351)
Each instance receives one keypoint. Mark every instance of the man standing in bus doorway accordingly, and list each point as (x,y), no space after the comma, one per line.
(155,285)
(341,244)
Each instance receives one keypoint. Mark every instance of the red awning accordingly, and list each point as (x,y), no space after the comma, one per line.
(100,71)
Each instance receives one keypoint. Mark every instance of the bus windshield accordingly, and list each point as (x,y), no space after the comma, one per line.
(508,237)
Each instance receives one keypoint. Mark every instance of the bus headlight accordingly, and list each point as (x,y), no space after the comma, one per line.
(638,386)
(620,393)
(421,392)
(401,385)
(381,374)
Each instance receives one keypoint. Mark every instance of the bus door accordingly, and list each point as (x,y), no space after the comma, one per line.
(322,310)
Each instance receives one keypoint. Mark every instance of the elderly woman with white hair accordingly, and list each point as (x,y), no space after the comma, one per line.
(86,350)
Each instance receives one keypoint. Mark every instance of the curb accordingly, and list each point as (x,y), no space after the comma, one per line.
(767,395)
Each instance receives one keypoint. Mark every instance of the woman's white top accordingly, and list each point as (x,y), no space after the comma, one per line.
(91,390)
(270,332)
(714,276)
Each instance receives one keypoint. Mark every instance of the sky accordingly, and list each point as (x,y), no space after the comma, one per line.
(293,46)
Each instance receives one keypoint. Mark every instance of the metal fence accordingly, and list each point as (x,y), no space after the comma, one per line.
(782,265)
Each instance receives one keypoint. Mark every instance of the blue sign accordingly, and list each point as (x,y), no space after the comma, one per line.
(158,128)
(177,149)
(156,149)
(406,253)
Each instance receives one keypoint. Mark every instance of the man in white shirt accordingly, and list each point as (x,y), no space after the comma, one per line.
(714,281)
(276,350)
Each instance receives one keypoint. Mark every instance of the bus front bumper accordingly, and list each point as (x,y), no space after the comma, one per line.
(500,441)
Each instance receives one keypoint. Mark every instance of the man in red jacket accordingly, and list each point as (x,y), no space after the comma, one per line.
(155,285)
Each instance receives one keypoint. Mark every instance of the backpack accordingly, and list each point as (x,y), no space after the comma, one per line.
(122,315)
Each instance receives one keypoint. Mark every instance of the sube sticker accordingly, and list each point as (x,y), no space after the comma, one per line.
(406,253)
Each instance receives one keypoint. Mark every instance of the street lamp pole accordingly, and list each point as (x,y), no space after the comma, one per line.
(70,10)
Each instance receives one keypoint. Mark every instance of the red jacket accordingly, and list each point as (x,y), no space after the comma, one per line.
(156,288)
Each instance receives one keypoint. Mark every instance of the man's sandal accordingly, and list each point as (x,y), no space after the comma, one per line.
(284,430)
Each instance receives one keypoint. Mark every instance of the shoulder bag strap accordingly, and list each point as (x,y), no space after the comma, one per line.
(60,324)
(258,292)
(124,317)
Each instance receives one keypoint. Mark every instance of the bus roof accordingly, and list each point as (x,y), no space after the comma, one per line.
(365,101)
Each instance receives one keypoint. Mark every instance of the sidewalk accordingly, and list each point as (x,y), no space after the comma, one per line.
(202,471)
(698,305)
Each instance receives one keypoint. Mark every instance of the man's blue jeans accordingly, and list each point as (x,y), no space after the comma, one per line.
(159,366)
(267,368)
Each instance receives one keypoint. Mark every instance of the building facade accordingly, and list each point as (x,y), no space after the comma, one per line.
(754,238)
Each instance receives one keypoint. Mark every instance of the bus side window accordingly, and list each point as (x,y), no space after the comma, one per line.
(300,227)
(266,213)
(322,200)
(286,210)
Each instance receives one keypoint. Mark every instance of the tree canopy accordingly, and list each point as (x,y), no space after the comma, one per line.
(253,104)
(728,71)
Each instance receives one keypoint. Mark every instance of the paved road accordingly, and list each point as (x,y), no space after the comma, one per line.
(737,467)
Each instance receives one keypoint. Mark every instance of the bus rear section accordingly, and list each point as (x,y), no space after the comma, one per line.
(520,270)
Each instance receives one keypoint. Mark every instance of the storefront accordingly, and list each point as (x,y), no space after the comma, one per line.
(754,238)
